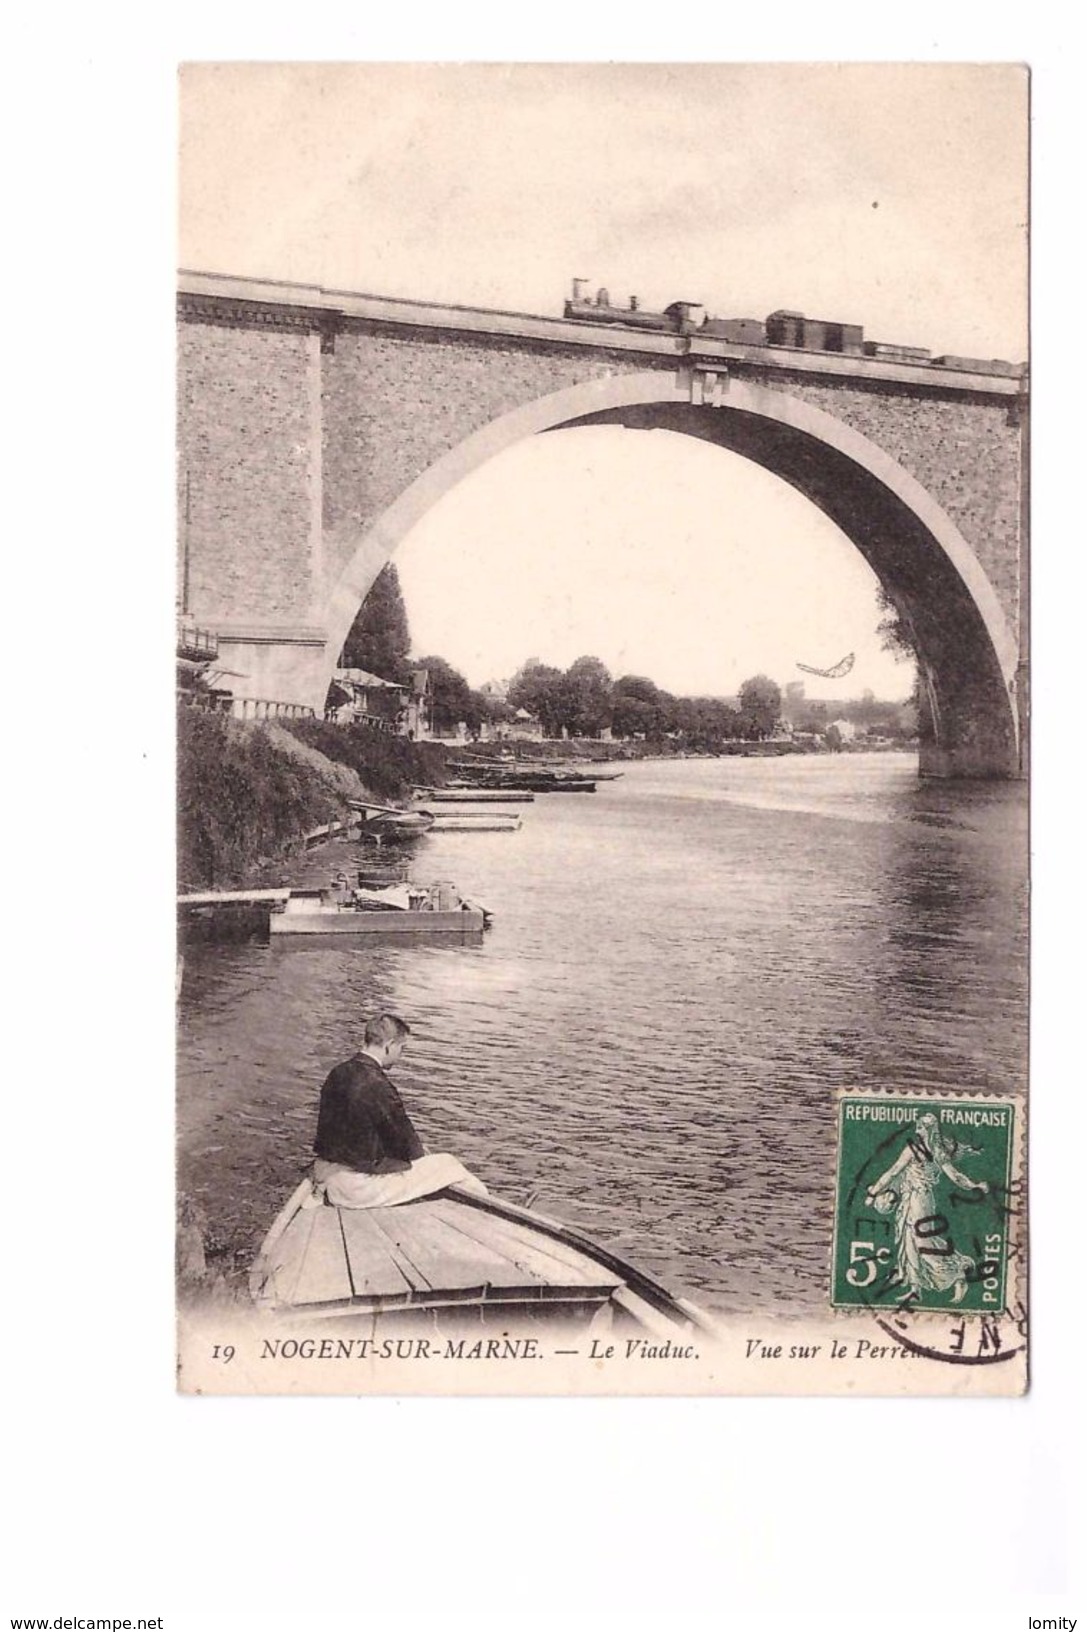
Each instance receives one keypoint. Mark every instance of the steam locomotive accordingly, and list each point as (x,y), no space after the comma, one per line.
(789,329)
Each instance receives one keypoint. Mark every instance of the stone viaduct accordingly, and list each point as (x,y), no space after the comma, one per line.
(316,427)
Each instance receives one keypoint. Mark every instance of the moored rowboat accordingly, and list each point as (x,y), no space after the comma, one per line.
(406,824)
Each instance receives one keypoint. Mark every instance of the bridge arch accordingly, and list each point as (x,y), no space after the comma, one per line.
(967,653)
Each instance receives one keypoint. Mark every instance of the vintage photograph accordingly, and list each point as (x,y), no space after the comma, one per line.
(602,729)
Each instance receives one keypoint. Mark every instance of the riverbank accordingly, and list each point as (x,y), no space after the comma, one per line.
(597,751)
(249,791)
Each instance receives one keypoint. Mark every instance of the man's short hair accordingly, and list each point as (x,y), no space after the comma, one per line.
(385,1028)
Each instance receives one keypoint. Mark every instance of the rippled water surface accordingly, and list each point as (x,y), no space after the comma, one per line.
(683,968)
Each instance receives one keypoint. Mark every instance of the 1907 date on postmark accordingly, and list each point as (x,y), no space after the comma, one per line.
(927,1200)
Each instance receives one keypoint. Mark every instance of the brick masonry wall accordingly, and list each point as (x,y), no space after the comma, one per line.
(272,525)
(965,451)
(392,406)
(289,450)
(246,425)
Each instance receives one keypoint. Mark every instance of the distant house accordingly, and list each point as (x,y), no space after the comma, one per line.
(357,695)
(385,705)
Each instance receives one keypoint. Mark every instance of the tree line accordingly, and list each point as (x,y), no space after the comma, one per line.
(584,701)
(580,701)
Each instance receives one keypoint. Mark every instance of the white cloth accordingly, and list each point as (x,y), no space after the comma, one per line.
(343,1187)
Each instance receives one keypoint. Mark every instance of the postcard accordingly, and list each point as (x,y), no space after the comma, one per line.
(603,729)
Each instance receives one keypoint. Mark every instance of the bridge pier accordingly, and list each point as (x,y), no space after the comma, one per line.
(968,761)
(277,664)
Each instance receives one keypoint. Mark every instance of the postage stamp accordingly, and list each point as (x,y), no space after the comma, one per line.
(928,1203)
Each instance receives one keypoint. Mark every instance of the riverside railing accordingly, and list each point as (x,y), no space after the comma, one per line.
(196,644)
(263,708)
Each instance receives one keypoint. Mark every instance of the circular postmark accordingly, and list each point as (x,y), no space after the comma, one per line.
(959,1340)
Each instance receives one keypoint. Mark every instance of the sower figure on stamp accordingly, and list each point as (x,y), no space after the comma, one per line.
(368,1153)
(925,1261)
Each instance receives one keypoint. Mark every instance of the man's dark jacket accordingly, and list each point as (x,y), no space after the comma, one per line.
(362,1123)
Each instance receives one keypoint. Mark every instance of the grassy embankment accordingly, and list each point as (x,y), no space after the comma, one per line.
(248,792)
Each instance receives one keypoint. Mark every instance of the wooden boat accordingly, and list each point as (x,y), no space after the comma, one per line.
(464,794)
(402,824)
(454,1255)
(382,822)
(398,909)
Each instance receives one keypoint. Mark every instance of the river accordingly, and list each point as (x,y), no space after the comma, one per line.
(682,969)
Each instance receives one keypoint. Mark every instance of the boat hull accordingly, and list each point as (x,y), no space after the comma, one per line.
(451,1257)
(345,921)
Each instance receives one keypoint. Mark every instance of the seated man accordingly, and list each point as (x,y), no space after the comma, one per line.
(368,1152)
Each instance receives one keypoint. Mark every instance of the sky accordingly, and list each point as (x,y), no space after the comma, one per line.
(753,584)
(893,196)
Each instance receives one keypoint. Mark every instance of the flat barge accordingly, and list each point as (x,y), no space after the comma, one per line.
(401,909)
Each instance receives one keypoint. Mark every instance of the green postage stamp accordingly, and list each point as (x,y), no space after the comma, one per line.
(927,1198)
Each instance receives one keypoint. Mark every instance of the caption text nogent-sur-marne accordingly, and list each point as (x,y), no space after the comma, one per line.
(462,1348)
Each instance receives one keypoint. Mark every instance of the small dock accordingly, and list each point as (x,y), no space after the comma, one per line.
(231,898)
(475,821)
(474,796)
(365,806)
(331,830)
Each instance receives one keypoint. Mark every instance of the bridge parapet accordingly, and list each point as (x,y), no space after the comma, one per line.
(213,298)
